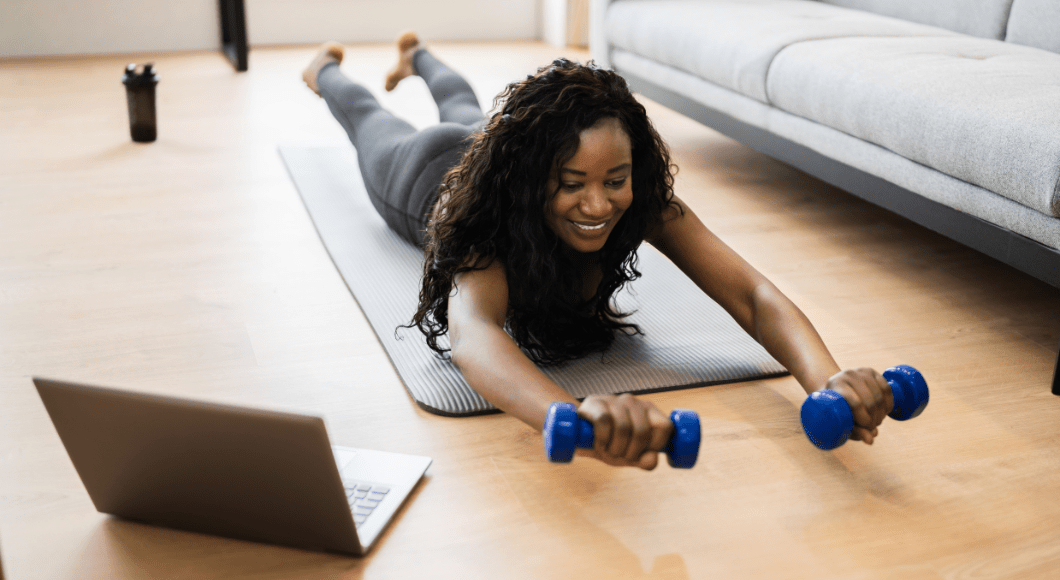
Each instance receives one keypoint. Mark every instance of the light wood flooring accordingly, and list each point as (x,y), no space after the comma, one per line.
(188,266)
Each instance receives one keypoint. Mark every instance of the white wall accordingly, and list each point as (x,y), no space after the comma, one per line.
(311,21)
(47,27)
(51,27)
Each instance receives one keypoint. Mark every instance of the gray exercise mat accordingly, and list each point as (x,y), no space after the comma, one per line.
(688,340)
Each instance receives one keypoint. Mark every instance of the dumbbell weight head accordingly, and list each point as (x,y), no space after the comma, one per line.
(827,419)
(910,392)
(683,448)
(561,432)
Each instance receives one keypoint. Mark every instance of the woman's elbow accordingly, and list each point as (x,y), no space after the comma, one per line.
(461,344)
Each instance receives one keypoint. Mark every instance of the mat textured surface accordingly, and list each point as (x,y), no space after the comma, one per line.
(688,340)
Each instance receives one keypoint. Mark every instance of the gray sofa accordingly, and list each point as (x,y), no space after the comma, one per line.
(944,111)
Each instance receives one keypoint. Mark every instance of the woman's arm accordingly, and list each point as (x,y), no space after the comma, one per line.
(628,431)
(769,317)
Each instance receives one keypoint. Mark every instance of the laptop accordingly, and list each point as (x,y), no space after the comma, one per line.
(239,472)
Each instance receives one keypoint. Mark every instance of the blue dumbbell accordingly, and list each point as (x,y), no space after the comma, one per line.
(827,419)
(564,431)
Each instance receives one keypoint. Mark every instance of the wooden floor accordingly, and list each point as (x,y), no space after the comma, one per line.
(189,266)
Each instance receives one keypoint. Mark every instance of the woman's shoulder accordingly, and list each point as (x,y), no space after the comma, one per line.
(480,292)
(479,261)
(675,209)
(484,273)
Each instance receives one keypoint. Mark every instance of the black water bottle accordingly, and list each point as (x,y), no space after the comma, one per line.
(140,92)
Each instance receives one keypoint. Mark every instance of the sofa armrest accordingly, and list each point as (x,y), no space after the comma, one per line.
(599,49)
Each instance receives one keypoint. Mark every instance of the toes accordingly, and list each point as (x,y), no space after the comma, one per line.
(408,44)
(408,40)
(335,50)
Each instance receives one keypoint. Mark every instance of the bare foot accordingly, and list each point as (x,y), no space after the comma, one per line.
(329,52)
(408,44)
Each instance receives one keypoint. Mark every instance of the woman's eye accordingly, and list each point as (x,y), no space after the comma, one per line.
(617,183)
(571,186)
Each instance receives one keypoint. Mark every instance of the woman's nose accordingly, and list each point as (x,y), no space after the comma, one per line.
(596,203)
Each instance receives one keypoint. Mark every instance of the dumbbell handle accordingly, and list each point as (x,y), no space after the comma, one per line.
(564,431)
(828,421)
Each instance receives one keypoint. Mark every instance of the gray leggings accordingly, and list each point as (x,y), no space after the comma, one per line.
(403,167)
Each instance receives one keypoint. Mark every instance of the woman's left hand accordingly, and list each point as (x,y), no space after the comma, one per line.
(870,399)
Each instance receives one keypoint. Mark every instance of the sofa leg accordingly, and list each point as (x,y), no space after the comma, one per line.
(1056,375)
(234,33)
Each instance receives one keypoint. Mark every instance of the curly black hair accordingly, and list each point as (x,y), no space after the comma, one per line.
(493,207)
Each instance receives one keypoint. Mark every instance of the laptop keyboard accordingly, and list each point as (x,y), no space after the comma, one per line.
(364,497)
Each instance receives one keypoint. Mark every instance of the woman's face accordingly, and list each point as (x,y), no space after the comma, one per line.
(595,187)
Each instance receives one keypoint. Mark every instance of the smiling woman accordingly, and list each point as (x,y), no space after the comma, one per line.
(530,223)
(559,190)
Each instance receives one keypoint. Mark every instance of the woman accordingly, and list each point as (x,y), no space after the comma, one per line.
(534,220)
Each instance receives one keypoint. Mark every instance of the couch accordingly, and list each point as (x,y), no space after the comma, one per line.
(946,112)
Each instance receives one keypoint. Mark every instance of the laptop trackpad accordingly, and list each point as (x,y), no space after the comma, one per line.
(343,456)
(379,466)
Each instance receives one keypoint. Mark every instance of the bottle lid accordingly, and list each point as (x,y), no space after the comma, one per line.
(147,77)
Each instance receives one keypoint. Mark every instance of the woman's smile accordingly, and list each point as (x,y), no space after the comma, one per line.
(589,228)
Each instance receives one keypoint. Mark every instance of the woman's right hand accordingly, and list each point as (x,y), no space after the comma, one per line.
(627,431)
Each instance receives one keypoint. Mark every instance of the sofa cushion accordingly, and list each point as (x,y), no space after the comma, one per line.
(985,18)
(868,157)
(1035,23)
(980,110)
(732,42)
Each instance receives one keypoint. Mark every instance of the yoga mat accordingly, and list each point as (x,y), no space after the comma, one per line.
(688,341)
